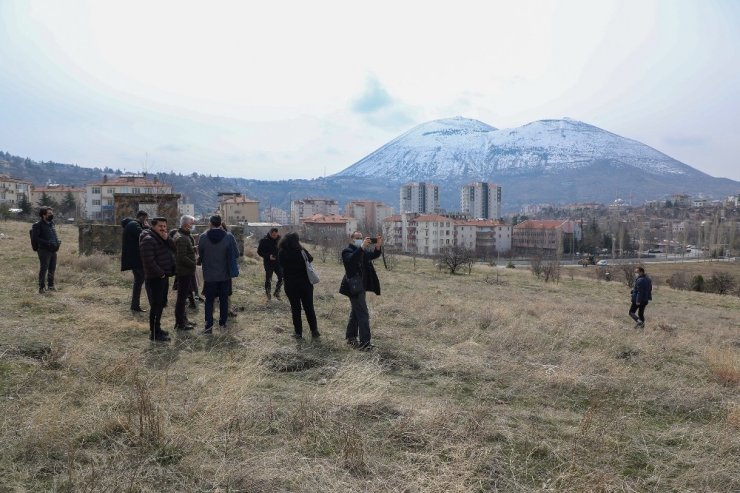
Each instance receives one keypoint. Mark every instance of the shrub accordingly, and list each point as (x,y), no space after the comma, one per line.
(697,283)
(720,283)
(510,265)
(678,280)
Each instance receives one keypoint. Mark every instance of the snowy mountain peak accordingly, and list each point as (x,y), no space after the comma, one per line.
(462,148)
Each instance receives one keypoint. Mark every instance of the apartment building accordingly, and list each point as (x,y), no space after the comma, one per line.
(483,236)
(12,189)
(59,194)
(333,226)
(422,198)
(481,200)
(304,208)
(99,203)
(369,213)
(549,236)
(275,215)
(238,209)
(432,233)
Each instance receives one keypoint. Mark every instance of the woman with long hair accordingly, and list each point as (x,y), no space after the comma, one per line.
(298,288)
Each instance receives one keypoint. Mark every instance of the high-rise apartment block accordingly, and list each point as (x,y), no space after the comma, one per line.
(421,198)
(300,209)
(481,200)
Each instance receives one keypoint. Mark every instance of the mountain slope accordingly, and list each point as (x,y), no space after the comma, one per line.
(459,148)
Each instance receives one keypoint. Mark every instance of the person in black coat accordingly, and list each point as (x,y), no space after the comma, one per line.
(158,260)
(131,257)
(47,245)
(298,288)
(268,250)
(358,259)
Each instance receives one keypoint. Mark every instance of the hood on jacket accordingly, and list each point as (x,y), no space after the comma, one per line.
(216,235)
(126,220)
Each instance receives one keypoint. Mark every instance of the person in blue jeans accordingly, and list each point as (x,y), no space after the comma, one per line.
(215,249)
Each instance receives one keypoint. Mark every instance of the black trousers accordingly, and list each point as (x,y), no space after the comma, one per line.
(159,289)
(269,269)
(640,309)
(359,319)
(301,293)
(47,267)
(136,289)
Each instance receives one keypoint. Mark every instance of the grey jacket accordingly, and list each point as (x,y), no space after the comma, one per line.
(214,249)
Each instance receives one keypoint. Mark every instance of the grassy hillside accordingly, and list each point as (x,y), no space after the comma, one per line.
(478,384)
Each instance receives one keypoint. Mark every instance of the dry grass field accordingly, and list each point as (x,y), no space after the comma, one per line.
(478,384)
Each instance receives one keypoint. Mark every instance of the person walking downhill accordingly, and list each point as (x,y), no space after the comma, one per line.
(158,260)
(131,258)
(46,242)
(298,287)
(642,293)
(184,271)
(358,259)
(215,249)
(268,250)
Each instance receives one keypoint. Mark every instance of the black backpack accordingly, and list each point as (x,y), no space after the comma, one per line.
(34,236)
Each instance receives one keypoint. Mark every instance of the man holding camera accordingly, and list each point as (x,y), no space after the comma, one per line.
(358,259)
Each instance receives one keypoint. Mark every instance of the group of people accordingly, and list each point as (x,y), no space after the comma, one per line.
(154,255)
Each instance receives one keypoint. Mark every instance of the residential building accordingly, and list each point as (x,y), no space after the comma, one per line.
(699,202)
(59,193)
(433,232)
(549,236)
(481,200)
(680,200)
(369,213)
(421,198)
(238,209)
(301,209)
(11,190)
(275,215)
(332,226)
(99,203)
(393,231)
(483,236)
(186,209)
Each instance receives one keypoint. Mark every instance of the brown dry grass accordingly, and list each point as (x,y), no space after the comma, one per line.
(515,386)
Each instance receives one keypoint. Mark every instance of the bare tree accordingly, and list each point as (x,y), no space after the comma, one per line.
(535,265)
(454,257)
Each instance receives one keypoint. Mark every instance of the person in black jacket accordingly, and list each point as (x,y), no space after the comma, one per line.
(268,250)
(298,288)
(642,293)
(48,242)
(158,259)
(131,258)
(358,259)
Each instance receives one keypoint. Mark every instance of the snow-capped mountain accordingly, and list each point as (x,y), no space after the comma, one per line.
(460,148)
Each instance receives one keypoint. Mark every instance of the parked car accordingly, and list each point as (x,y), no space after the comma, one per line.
(602,263)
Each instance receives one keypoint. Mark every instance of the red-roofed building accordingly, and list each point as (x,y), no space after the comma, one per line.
(549,235)
(238,209)
(483,235)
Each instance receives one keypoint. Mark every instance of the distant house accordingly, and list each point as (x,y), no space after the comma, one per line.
(699,202)
(320,226)
(534,235)
(59,193)
(238,209)
(12,190)
(99,200)
(483,236)
(304,208)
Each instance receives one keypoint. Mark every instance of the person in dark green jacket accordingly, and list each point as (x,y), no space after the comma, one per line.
(184,270)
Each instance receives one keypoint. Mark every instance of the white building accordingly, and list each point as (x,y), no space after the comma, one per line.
(422,198)
(433,233)
(11,190)
(275,215)
(99,196)
(481,200)
(301,209)
(483,236)
(186,209)
(369,213)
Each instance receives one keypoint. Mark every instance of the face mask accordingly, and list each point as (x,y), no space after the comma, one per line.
(358,243)
(50,217)
(192,229)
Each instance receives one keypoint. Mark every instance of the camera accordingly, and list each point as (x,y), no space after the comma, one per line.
(373,240)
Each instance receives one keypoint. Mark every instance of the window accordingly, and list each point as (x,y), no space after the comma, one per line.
(96,190)
(136,190)
(111,190)
(108,201)
(96,202)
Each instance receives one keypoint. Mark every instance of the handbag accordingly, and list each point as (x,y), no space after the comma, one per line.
(313,276)
(352,286)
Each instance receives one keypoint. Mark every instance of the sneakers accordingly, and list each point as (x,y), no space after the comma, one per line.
(365,347)
(640,325)
(159,337)
(297,336)
(52,288)
(353,342)
(42,290)
(138,310)
(185,326)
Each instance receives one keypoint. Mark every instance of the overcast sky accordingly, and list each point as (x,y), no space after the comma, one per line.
(299,89)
